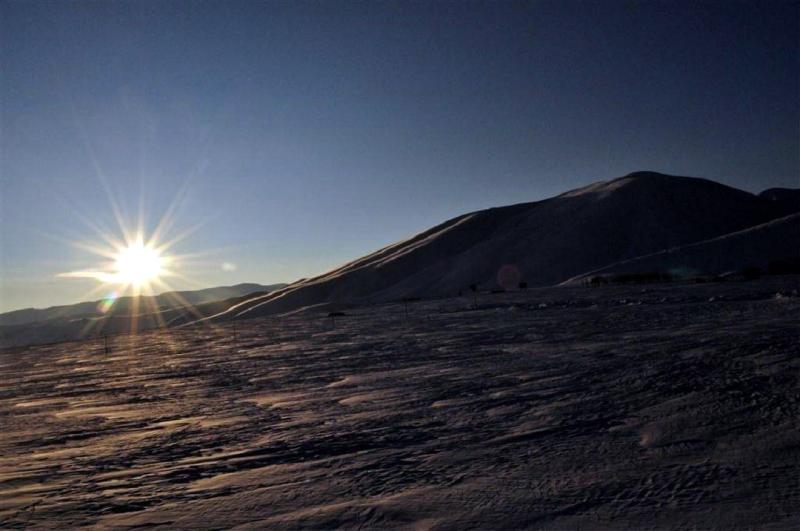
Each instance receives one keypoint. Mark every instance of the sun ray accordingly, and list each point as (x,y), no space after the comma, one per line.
(176,239)
(132,268)
(168,219)
(136,262)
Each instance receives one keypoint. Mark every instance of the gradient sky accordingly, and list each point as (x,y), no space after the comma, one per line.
(307,134)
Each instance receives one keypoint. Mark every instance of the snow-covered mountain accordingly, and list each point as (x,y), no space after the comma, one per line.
(643,221)
(540,243)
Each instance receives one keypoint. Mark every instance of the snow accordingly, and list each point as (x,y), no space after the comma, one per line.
(614,407)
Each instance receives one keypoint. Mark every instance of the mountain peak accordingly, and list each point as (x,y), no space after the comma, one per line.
(540,243)
(602,188)
(643,174)
(786,198)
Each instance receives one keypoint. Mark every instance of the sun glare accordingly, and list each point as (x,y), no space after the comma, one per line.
(138,264)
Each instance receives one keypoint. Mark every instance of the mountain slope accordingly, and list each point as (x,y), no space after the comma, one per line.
(541,243)
(752,247)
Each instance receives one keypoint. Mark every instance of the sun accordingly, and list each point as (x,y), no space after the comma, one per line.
(138,264)
(137,269)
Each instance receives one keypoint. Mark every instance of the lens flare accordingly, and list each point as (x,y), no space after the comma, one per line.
(104,305)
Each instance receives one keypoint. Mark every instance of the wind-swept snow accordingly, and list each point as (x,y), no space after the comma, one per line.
(618,407)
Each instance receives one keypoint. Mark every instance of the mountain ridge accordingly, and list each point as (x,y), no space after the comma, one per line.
(168,299)
(541,243)
(538,243)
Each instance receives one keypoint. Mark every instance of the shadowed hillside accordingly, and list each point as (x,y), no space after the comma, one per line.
(785,198)
(777,241)
(540,243)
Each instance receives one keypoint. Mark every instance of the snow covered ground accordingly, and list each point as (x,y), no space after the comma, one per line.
(616,407)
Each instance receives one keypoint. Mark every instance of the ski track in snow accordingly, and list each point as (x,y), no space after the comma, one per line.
(623,407)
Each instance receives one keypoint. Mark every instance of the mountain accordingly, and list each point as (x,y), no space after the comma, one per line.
(125,305)
(787,199)
(541,243)
(642,221)
(762,246)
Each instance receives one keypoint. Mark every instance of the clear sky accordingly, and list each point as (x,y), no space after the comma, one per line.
(306,134)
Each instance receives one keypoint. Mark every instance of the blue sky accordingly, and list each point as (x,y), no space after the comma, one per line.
(306,134)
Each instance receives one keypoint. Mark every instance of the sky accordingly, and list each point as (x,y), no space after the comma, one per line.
(290,137)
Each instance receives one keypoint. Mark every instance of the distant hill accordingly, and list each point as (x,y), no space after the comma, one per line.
(540,243)
(124,305)
(776,241)
(787,199)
